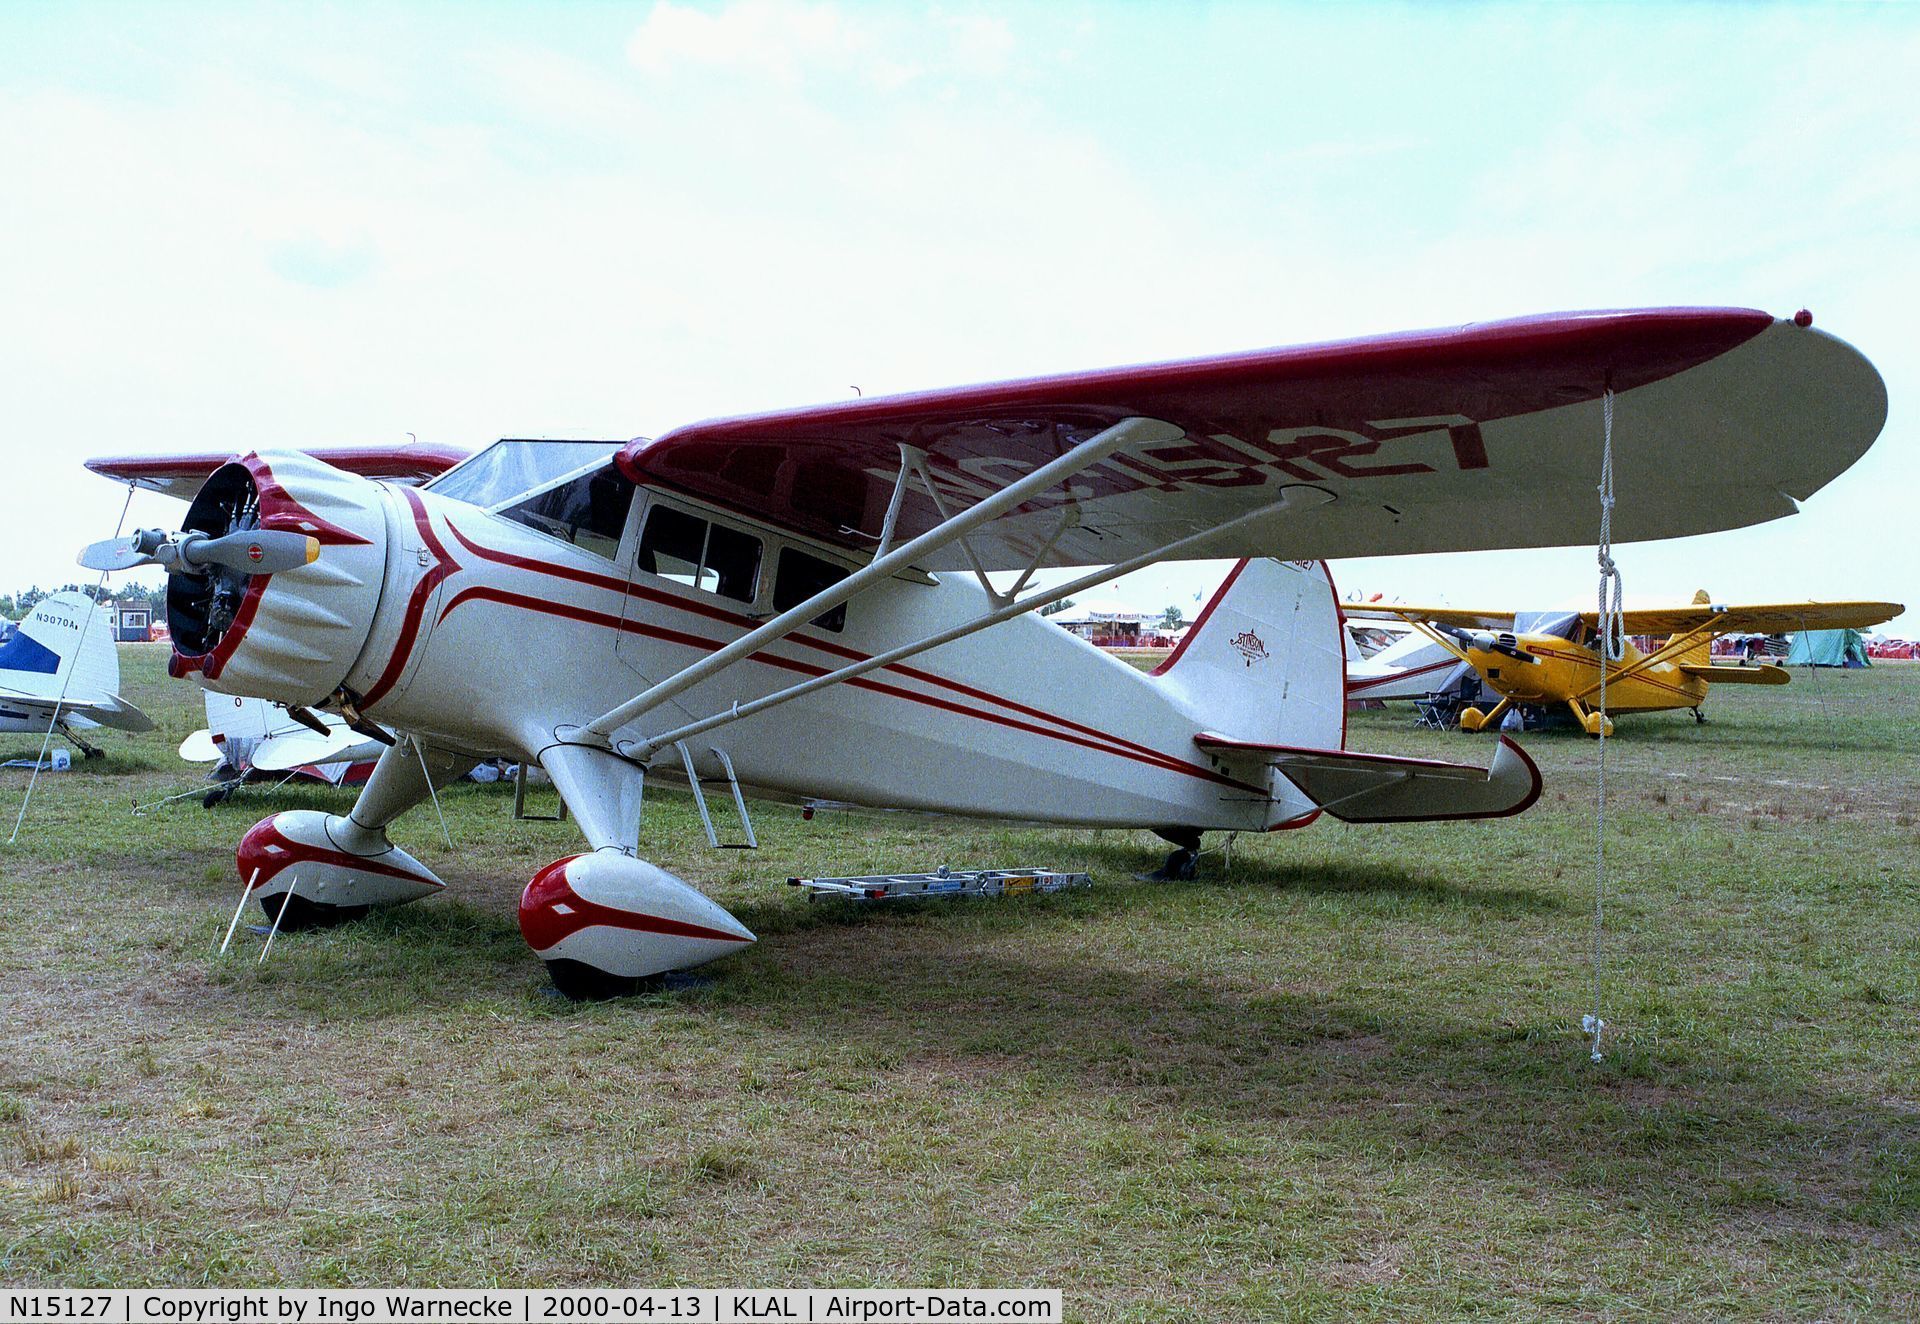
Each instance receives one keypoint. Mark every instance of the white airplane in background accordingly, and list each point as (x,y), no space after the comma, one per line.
(59,668)
(801,601)
(244,736)
(1412,666)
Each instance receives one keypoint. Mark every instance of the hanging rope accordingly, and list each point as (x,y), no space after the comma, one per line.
(1612,649)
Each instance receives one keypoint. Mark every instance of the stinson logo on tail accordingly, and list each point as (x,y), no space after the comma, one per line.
(1248,645)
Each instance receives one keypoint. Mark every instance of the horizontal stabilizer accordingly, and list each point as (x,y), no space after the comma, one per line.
(300,747)
(109,710)
(1737,675)
(1384,788)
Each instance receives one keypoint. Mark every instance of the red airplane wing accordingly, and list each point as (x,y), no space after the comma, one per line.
(182,475)
(1486,435)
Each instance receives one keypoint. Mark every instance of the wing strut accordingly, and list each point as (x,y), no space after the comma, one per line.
(1299,497)
(1127,432)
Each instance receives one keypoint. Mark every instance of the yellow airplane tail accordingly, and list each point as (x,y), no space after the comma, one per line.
(1701,653)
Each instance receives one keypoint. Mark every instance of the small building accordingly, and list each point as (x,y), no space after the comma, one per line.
(132,621)
(1106,623)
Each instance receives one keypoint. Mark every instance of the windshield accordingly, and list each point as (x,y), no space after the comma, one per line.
(1564,624)
(509,469)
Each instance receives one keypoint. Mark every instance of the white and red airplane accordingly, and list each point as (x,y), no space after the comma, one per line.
(802,602)
(247,737)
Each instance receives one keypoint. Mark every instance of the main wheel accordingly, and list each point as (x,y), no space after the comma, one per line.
(305,914)
(582,983)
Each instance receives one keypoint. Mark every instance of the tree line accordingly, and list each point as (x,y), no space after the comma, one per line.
(15,606)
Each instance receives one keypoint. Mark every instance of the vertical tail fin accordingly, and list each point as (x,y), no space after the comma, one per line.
(1266,661)
(65,643)
(1700,653)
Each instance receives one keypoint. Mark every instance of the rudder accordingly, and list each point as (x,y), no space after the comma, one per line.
(1699,653)
(1266,660)
(64,633)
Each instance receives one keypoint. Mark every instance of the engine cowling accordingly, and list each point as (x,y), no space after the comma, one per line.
(293,636)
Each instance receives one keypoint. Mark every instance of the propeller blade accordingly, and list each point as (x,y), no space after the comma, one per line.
(255,551)
(136,549)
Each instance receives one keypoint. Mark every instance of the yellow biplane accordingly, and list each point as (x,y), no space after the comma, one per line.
(1548,659)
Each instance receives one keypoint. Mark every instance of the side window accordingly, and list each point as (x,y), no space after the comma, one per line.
(690,551)
(732,562)
(590,512)
(800,577)
(671,545)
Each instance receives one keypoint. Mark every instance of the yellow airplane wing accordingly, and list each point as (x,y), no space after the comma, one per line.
(1769,618)
(1466,620)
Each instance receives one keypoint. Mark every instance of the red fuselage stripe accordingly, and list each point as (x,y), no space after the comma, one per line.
(725,617)
(1073,732)
(1642,677)
(603,620)
(1353,685)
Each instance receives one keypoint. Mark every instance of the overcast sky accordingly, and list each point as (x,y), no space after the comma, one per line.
(233,227)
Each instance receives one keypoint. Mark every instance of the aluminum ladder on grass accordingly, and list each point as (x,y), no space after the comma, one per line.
(942,882)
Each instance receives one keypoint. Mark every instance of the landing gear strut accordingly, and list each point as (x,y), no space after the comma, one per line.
(1699,718)
(1180,867)
(1184,862)
(86,751)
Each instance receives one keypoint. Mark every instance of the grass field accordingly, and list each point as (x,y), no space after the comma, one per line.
(1345,1080)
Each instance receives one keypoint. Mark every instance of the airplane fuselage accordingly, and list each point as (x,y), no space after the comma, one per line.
(1568,672)
(492,637)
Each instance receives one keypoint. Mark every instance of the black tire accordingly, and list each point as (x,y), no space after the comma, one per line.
(584,983)
(305,914)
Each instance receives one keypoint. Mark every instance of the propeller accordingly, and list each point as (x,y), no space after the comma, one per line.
(250,551)
(1486,641)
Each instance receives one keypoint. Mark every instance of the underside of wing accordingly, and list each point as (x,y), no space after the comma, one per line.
(1487,435)
(1466,620)
(181,476)
(1770,618)
(1382,788)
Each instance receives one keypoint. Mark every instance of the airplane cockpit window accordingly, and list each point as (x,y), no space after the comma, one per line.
(671,545)
(1562,624)
(589,511)
(711,557)
(513,468)
(800,577)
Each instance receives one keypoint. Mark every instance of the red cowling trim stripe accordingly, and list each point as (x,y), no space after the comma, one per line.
(278,511)
(542,926)
(443,565)
(266,849)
